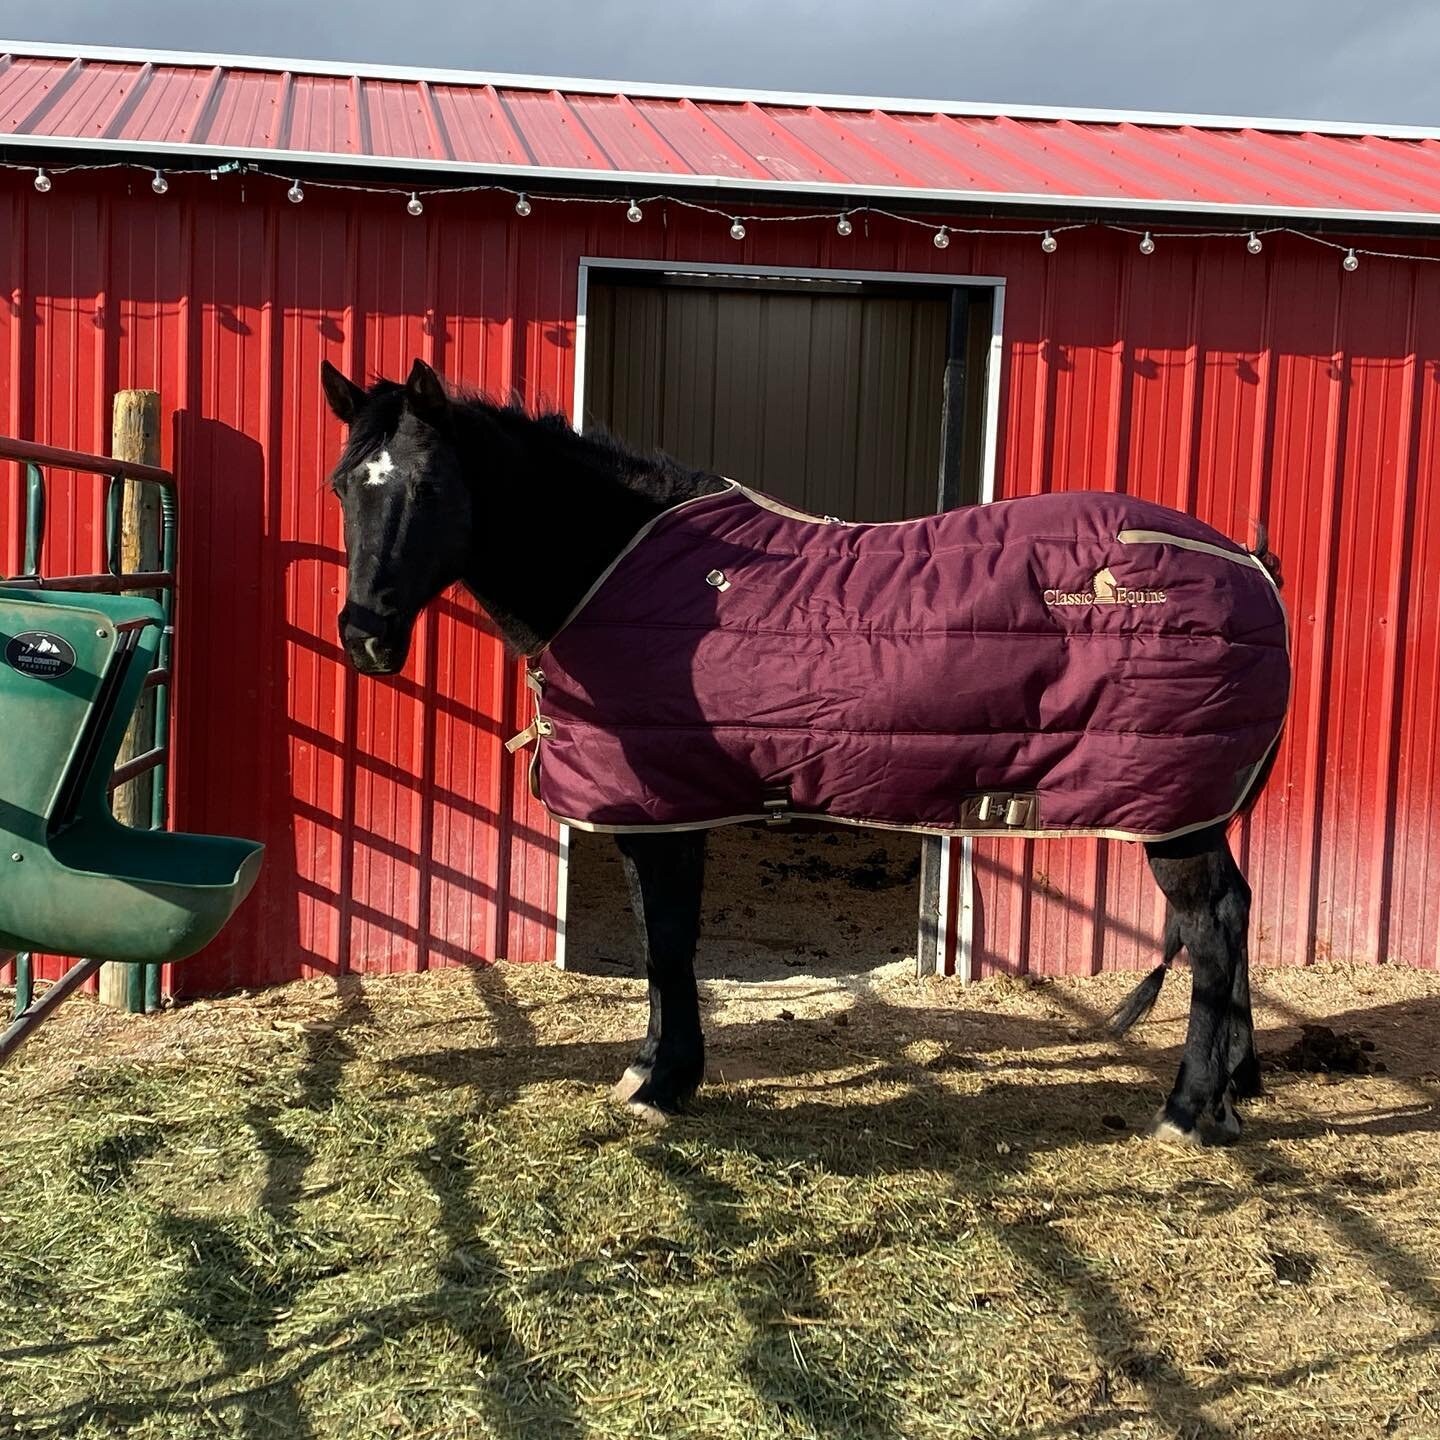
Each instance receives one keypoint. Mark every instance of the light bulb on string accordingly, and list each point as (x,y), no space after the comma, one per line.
(1254,240)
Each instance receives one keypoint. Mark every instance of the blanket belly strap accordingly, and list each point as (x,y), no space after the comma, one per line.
(999,811)
(776,800)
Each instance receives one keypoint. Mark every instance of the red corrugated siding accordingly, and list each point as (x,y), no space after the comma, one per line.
(401,835)
(1238,387)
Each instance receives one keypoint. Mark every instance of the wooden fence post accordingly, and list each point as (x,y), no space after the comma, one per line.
(135,435)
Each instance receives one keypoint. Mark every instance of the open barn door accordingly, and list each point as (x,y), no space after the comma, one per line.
(861,396)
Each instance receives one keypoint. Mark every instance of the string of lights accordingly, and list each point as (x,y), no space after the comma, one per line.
(844,220)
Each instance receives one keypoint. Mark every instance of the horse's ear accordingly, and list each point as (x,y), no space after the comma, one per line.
(425,392)
(344,395)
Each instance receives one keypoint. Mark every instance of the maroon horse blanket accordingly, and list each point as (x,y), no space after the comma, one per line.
(1062,664)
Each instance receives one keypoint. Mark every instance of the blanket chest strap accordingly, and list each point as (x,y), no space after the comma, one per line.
(539,728)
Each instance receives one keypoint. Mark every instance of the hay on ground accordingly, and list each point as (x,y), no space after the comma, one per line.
(901,1208)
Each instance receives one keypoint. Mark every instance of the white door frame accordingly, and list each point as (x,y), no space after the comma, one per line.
(964,948)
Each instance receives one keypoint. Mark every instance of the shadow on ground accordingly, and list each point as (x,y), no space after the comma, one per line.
(889,1213)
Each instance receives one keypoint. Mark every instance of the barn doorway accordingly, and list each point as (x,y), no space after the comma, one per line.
(863,396)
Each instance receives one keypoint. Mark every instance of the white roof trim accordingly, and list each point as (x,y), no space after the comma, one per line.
(647,89)
(645,184)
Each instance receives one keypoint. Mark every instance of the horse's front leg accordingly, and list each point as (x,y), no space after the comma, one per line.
(666,874)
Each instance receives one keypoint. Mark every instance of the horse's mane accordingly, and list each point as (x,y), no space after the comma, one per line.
(657,476)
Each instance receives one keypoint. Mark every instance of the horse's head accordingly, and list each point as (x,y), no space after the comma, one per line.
(407,508)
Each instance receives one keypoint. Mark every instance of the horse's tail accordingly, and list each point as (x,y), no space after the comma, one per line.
(1141,1000)
(1266,556)
(1271,561)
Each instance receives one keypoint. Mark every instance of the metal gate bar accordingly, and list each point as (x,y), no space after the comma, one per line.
(142,981)
(28,1020)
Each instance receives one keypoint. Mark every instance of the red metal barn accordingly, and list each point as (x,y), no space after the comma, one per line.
(1241,381)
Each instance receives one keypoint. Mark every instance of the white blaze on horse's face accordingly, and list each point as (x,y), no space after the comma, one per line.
(380,469)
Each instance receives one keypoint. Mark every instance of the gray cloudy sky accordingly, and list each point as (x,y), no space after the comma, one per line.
(1331,59)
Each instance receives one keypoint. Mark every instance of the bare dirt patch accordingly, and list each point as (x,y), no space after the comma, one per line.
(778,902)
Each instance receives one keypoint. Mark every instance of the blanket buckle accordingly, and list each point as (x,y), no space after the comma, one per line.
(1018,810)
(776,802)
(538,729)
(999,810)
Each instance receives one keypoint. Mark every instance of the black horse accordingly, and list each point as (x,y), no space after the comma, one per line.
(437,490)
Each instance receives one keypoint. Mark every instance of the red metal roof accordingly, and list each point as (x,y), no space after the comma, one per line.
(523,129)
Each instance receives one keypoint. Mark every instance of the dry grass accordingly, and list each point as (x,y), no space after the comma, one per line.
(405,1209)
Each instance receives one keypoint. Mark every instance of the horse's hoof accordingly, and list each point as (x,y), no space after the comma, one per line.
(651,1116)
(628,1084)
(1221,1130)
(1165,1130)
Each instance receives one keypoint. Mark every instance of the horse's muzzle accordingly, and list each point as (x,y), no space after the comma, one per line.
(373,648)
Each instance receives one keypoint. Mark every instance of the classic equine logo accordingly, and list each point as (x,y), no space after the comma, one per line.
(1104,591)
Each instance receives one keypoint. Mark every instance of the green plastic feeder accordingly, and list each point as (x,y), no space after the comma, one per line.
(73,880)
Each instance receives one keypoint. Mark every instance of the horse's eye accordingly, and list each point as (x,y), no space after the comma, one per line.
(424,489)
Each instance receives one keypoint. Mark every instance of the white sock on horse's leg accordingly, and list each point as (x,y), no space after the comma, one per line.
(651,1115)
(628,1084)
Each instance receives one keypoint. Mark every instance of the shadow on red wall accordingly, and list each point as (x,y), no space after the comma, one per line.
(379,855)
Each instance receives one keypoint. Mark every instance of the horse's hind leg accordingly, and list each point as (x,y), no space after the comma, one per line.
(665,874)
(1243,1063)
(1211,904)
